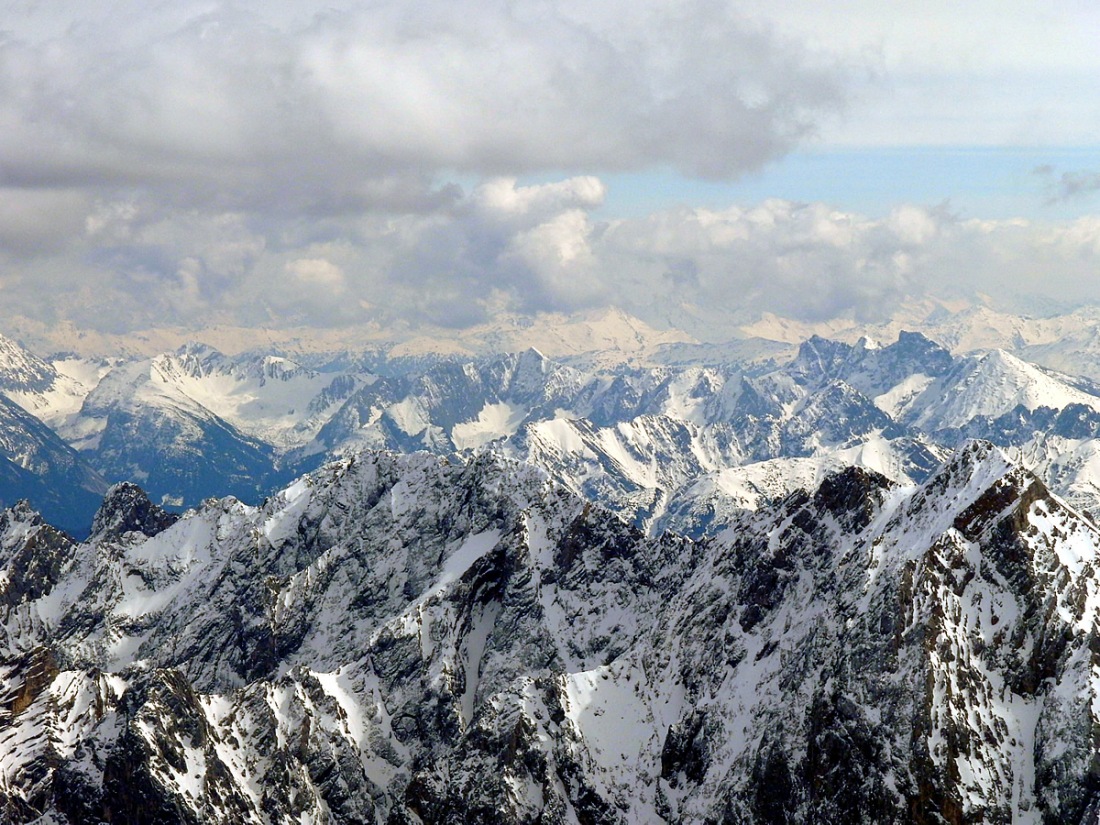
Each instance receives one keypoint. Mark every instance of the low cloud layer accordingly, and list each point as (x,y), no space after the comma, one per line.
(505,247)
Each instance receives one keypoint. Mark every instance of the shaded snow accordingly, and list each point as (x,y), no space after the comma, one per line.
(495,421)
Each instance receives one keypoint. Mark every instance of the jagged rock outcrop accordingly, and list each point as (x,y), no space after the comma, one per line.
(407,639)
(127,509)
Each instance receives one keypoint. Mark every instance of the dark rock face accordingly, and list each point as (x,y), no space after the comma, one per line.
(853,496)
(685,753)
(125,509)
(36,554)
(1020,425)
(403,639)
(872,370)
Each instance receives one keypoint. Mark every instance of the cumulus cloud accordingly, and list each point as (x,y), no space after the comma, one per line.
(363,104)
(201,162)
(526,249)
(812,261)
(806,260)
(210,155)
(501,197)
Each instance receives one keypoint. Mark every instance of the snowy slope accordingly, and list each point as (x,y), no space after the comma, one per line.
(991,385)
(631,468)
(137,426)
(265,397)
(645,441)
(710,501)
(35,464)
(451,405)
(964,687)
(196,423)
(367,602)
(49,391)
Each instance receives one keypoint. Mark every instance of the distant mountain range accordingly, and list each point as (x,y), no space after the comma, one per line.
(685,335)
(665,441)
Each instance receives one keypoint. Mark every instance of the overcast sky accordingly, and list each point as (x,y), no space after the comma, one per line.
(441,161)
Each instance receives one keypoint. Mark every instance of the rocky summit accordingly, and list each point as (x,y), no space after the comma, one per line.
(408,639)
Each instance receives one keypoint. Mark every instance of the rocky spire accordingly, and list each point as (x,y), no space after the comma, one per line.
(125,509)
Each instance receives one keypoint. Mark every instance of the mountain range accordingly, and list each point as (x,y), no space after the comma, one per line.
(677,446)
(745,582)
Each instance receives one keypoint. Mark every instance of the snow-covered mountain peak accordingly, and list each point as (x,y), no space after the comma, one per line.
(970,471)
(891,370)
(992,385)
(975,453)
(912,342)
(980,495)
(263,402)
(20,371)
(819,358)
(1002,360)
(279,368)
(41,388)
(533,354)
(530,372)
(194,359)
(200,371)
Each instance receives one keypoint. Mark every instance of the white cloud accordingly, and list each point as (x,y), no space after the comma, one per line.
(317,273)
(501,197)
(196,150)
(912,224)
(253,107)
(269,163)
(539,247)
(559,257)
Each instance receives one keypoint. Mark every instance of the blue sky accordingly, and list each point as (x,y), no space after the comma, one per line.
(949,102)
(975,182)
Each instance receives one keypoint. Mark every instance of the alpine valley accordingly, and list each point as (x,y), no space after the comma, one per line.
(753,580)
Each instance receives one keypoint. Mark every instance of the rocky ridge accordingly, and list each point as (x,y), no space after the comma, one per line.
(400,639)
